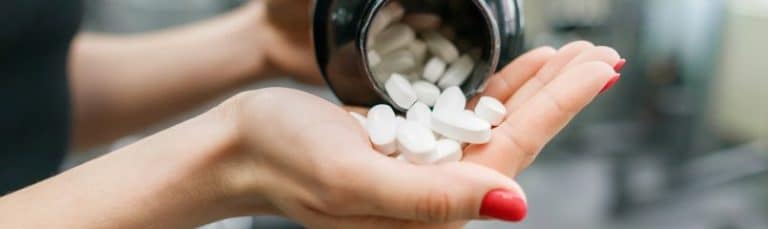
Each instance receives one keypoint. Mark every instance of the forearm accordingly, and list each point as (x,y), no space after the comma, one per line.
(123,84)
(165,181)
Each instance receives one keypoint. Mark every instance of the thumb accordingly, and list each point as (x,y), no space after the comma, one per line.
(443,193)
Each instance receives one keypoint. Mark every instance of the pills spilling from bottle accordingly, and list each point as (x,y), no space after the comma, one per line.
(415,59)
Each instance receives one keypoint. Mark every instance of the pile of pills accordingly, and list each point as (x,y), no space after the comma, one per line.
(432,135)
(421,70)
(411,55)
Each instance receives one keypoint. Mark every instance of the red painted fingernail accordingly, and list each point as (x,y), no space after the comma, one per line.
(611,82)
(504,205)
(619,65)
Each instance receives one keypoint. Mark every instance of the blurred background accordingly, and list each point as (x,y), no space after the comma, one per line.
(680,142)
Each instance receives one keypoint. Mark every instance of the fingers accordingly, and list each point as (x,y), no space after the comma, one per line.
(440,194)
(513,76)
(519,139)
(548,72)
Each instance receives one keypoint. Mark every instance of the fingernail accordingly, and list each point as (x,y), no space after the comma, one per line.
(611,82)
(504,205)
(619,65)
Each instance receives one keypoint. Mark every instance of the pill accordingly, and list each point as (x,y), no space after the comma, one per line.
(393,38)
(420,113)
(446,150)
(427,92)
(423,21)
(373,58)
(399,89)
(398,61)
(416,142)
(360,118)
(382,129)
(390,13)
(452,99)
(458,72)
(440,46)
(434,69)
(419,50)
(461,126)
(491,110)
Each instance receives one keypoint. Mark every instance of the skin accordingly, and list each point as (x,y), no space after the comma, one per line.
(260,152)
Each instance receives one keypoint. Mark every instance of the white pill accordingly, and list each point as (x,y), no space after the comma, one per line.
(458,72)
(382,129)
(461,126)
(373,58)
(400,90)
(441,47)
(434,69)
(420,113)
(452,99)
(491,110)
(398,61)
(393,38)
(427,92)
(360,118)
(416,142)
(423,21)
(446,150)
(419,50)
(392,12)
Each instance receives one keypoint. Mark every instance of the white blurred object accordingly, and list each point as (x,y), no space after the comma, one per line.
(233,223)
(741,97)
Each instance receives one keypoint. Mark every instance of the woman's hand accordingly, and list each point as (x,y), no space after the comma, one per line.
(307,159)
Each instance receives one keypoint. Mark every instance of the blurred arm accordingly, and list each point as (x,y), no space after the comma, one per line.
(123,84)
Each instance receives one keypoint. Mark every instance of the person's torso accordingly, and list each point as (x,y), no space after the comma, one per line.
(35,37)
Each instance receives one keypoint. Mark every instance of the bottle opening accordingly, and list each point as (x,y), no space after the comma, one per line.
(442,42)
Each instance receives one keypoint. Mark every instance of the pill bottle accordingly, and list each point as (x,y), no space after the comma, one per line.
(491,31)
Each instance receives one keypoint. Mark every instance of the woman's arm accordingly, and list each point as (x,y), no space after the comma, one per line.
(121,84)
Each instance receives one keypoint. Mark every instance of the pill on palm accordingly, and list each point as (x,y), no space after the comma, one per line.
(434,69)
(382,129)
(452,99)
(491,110)
(400,90)
(420,113)
(427,92)
(461,126)
(446,150)
(415,142)
(393,38)
(458,72)
(441,47)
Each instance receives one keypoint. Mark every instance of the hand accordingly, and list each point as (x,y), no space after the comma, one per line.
(543,90)
(305,158)
(285,27)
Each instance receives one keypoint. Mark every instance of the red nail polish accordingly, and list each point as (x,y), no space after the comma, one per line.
(619,65)
(504,205)
(611,82)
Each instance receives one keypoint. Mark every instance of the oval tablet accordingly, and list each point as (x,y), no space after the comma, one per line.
(420,113)
(491,110)
(440,46)
(393,38)
(382,129)
(452,99)
(427,92)
(400,90)
(446,150)
(458,72)
(434,69)
(461,126)
(415,142)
